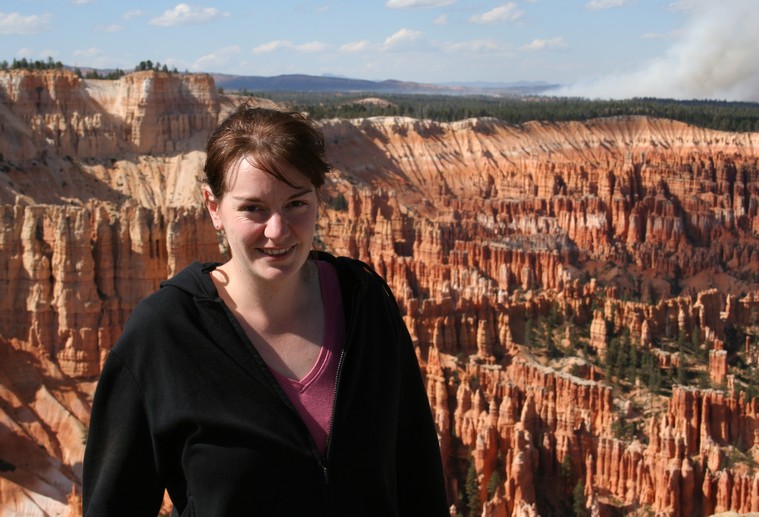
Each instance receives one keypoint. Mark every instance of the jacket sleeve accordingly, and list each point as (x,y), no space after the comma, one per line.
(420,478)
(120,477)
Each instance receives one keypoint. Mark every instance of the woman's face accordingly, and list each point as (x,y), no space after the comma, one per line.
(269,224)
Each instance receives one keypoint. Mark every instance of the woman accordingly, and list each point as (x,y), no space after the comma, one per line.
(282,382)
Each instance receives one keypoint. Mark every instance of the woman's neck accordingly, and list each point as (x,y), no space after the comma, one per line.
(270,303)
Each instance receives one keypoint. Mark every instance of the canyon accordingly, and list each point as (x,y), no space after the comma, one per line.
(526,260)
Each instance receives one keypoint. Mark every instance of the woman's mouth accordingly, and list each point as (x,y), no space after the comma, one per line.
(272,252)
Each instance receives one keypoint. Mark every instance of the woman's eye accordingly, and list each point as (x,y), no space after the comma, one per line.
(298,203)
(252,208)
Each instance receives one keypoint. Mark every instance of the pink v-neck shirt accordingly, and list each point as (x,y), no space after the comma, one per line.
(314,394)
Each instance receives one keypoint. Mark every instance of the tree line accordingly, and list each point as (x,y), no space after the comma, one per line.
(711,114)
(90,73)
(26,64)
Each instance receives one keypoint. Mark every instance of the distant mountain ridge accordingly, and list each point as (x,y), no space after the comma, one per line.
(333,83)
(305,83)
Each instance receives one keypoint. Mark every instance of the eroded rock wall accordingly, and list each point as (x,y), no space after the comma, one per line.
(484,231)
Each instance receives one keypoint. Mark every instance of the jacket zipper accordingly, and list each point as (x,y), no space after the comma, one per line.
(355,301)
(325,459)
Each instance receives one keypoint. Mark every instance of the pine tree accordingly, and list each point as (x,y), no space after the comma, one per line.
(528,332)
(493,483)
(578,500)
(682,373)
(472,487)
(566,467)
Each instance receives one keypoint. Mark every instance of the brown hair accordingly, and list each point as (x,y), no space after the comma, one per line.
(269,139)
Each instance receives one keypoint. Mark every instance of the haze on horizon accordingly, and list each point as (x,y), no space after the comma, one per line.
(685,49)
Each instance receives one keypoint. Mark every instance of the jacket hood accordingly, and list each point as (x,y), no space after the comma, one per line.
(196,281)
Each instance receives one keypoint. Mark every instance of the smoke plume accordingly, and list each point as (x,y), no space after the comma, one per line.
(715,56)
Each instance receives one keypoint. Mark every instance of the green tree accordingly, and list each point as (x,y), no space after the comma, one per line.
(340,203)
(528,332)
(752,383)
(566,467)
(695,339)
(493,483)
(634,367)
(682,372)
(553,315)
(578,500)
(547,329)
(472,489)
(655,380)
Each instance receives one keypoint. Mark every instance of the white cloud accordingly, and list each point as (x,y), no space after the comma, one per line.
(49,53)
(715,57)
(661,35)
(87,52)
(441,20)
(273,46)
(356,46)
(43,54)
(402,38)
(82,2)
(95,58)
(409,4)
(308,47)
(312,46)
(682,5)
(545,44)
(596,5)
(15,23)
(134,13)
(184,14)
(508,12)
(477,46)
(114,27)
(216,59)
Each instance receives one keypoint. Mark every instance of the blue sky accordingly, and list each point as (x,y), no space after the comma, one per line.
(595,48)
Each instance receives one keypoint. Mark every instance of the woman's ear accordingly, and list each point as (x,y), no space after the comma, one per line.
(212,205)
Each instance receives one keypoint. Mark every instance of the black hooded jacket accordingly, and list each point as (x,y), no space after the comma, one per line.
(185,403)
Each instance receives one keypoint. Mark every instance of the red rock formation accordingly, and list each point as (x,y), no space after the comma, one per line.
(718,366)
(499,242)
(43,424)
(143,112)
(72,274)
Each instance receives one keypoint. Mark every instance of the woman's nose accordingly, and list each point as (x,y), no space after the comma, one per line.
(276,226)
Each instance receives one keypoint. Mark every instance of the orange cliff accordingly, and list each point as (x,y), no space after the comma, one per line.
(485,231)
